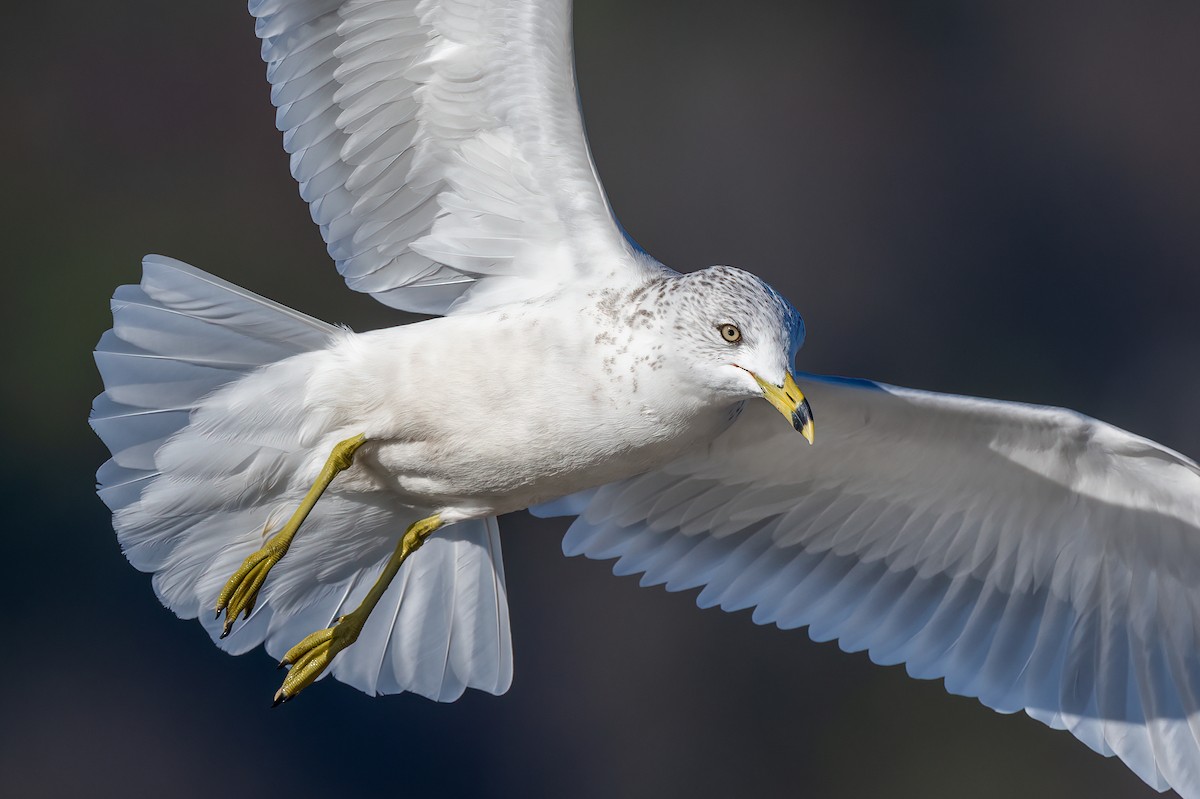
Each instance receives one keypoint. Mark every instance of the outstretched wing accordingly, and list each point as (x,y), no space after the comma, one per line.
(440,146)
(1033,557)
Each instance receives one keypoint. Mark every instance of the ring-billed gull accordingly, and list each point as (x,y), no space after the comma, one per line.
(1034,558)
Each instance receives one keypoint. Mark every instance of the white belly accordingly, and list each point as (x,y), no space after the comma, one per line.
(482,415)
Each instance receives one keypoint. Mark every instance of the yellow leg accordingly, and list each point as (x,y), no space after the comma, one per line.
(240,592)
(312,656)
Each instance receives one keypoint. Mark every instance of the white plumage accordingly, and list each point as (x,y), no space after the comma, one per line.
(1034,558)
(209,449)
(439,146)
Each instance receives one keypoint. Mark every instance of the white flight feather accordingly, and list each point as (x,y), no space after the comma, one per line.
(440,146)
(209,450)
(1032,557)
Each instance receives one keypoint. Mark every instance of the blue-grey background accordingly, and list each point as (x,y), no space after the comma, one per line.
(988,198)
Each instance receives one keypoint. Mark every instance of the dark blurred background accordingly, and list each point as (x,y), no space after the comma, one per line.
(987,198)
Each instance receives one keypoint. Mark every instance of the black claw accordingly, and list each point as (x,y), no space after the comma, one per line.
(282,663)
(280,699)
(226,631)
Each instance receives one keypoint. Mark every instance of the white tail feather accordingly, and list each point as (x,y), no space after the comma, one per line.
(204,412)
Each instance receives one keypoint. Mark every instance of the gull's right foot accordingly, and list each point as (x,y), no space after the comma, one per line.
(241,591)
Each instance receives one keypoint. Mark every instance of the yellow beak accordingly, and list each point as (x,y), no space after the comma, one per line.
(790,401)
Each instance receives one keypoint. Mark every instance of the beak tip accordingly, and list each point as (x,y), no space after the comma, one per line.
(803,424)
(791,402)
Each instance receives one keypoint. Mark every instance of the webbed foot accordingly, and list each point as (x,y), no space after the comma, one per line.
(309,658)
(241,590)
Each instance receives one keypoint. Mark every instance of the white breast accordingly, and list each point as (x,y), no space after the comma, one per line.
(490,413)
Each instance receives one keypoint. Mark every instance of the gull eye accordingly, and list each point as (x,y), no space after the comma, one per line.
(730,333)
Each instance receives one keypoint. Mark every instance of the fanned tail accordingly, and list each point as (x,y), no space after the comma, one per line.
(212,443)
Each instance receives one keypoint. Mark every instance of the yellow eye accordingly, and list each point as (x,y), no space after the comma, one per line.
(730,333)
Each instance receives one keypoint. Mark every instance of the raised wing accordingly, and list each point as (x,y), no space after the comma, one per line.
(1033,557)
(440,146)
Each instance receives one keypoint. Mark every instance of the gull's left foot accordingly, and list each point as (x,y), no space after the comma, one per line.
(313,655)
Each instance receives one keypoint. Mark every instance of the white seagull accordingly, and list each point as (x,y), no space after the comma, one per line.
(277,471)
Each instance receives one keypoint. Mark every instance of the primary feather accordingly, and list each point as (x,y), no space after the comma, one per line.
(1032,557)
(440,146)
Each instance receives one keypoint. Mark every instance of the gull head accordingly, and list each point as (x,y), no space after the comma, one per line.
(740,339)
